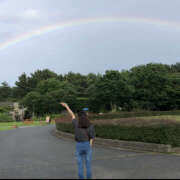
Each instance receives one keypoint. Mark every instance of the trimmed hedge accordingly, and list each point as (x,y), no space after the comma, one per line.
(166,134)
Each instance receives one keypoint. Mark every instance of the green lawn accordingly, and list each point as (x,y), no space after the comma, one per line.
(10,125)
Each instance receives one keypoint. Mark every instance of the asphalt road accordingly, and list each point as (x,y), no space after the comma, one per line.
(34,152)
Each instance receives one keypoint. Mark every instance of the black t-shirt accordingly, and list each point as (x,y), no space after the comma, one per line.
(81,134)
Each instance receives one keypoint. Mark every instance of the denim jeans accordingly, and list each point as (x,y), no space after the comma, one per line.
(84,155)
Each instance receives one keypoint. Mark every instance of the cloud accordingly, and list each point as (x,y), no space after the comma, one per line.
(6,35)
(16,18)
(9,19)
(30,13)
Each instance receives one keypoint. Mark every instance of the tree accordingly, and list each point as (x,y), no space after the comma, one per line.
(78,81)
(49,93)
(40,75)
(151,86)
(111,91)
(23,86)
(5,91)
(48,85)
(175,67)
(27,84)
(174,91)
(34,102)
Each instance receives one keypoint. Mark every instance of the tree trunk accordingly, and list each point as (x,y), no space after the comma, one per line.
(113,107)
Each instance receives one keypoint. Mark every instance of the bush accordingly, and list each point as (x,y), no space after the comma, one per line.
(159,134)
(4,117)
(43,118)
(4,109)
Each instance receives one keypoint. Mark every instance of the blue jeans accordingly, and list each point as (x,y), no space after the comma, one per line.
(84,153)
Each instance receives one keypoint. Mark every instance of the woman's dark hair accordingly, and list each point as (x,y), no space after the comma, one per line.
(83,120)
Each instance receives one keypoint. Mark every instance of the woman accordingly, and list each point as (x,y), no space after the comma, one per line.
(84,136)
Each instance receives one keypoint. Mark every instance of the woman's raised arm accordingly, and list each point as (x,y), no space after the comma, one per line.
(68,109)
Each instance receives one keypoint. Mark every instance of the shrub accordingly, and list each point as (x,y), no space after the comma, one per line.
(159,134)
(4,109)
(43,118)
(5,117)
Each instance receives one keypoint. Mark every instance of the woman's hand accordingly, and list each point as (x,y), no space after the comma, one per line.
(68,109)
(91,142)
(64,104)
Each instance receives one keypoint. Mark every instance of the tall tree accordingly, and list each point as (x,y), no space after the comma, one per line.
(40,75)
(175,67)
(151,86)
(78,81)
(23,86)
(47,96)
(112,90)
(5,91)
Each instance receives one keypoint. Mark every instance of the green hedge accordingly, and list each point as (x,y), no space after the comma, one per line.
(133,114)
(166,134)
(5,117)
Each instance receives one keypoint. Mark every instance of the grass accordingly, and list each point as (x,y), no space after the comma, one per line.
(123,114)
(6,122)
(140,121)
(11,125)
(168,117)
(130,121)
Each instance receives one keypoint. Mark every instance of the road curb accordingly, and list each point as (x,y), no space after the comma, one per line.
(138,146)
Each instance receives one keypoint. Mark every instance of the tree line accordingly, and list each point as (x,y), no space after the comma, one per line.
(153,86)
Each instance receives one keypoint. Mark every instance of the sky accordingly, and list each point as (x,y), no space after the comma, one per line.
(85,36)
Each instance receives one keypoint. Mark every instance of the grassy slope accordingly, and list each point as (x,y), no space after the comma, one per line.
(10,125)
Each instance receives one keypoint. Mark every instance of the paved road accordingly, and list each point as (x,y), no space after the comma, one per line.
(35,153)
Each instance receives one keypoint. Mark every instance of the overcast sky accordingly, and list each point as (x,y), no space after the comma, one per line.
(93,47)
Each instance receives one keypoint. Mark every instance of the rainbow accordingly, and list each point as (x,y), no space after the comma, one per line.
(78,22)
